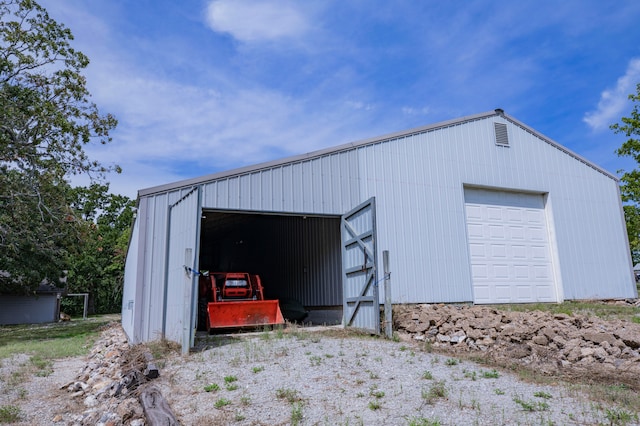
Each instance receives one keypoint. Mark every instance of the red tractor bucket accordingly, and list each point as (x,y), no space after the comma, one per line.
(250,313)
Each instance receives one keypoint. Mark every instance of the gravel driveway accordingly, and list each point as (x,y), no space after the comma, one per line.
(302,376)
(316,378)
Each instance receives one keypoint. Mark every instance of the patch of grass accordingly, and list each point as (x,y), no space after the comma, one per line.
(222,402)
(436,391)
(427,375)
(635,320)
(614,395)
(451,362)
(493,374)
(542,394)
(51,341)
(315,360)
(257,369)
(376,393)
(470,375)
(421,421)
(595,308)
(230,379)
(531,405)
(212,387)
(498,391)
(44,367)
(10,414)
(296,413)
(374,405)
(291,395)
(621,417)
(231,386)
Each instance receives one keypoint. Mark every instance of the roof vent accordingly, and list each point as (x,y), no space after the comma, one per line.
(502,137)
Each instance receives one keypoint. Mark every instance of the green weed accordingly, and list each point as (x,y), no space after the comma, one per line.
(541,394)
(374,405)
(222,402)
(427,375)
(230,379)
(531,405)
(493,374)
(620,416)
(421,421)
(10,414)
(296,413)
(212,387)
(436,391)
(290,395)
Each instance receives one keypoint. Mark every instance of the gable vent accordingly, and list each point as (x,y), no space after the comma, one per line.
(502,137)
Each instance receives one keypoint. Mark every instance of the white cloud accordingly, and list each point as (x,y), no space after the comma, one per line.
(613,101)
(256,20)
(416,111)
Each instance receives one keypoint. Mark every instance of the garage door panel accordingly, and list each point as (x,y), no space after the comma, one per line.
(519,251)
(500,272)
(516,233)
(539,253)
(480,271)
(497,232)
(509,247)
(515,215)
(477,251)
(498,251)
(476,230)
(521,272)
(494,214)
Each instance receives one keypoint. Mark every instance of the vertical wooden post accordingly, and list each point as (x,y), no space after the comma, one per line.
(388,322)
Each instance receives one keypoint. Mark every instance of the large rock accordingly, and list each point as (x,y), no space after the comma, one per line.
(630,337)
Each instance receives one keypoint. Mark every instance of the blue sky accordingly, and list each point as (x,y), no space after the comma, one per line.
(205,86)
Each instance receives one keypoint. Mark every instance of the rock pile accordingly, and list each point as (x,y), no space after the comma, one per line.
(106,386)
(550,343)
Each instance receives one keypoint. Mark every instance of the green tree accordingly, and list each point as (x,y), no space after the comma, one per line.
(96,266)
(630,181)
(46,119)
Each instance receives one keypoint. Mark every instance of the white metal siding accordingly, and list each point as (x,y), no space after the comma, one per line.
(181,259)
(324,185)
(418,180)
(509,247)
(130,280)
(418,183)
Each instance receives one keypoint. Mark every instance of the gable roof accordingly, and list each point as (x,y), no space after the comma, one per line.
(369,141)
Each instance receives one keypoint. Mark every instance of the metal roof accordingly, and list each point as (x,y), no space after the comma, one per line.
(351,145)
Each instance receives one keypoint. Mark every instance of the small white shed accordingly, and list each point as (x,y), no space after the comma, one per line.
(480,209)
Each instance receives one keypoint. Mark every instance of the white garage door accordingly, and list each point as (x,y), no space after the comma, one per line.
(509,247)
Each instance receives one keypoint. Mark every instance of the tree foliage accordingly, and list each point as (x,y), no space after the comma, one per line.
(97,264)
(46,119)
(630,181)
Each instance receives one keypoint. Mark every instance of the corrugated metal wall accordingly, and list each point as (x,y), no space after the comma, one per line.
(418,182)
(29,309)
(324,185)
(130,273)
